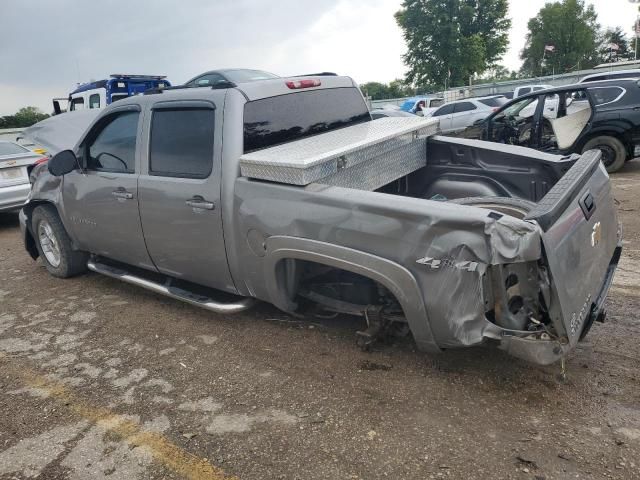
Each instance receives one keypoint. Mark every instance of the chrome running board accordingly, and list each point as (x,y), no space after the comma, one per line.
(173,292)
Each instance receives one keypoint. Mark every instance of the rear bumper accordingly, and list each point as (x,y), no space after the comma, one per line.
(546,352)
(13,197)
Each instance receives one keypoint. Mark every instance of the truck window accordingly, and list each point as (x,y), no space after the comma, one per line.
(182,143)
(274,120)
(94,100)
(77,103)
(114,144)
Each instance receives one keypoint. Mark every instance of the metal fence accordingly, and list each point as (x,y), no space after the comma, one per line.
(496,88)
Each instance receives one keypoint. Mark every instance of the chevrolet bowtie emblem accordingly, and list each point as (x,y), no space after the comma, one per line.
(596,235)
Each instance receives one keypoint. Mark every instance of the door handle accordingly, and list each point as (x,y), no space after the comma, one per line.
(122,194)
(199,202)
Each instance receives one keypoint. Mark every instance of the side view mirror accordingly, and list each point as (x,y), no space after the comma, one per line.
(479,121)
(62,163)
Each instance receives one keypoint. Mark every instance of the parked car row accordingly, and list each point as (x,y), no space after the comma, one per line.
(460,114)
(603,115)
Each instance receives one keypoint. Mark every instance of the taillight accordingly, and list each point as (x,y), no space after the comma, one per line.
(41,160)
(295,84)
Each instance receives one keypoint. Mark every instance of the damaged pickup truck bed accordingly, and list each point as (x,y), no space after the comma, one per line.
(285,191)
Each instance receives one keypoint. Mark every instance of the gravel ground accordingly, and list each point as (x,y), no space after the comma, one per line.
(100,379)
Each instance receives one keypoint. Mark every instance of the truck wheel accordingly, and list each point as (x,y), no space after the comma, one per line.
(613,152)
(54,244)
(515,207)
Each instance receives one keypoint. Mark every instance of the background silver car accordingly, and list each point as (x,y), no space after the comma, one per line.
(16,163)
(458,115)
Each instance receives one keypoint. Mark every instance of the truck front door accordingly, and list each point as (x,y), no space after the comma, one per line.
(101,202)
(180,193)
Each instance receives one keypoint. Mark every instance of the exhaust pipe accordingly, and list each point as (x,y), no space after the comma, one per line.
(173,292)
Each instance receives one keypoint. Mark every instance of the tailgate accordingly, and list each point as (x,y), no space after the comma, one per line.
(580,236)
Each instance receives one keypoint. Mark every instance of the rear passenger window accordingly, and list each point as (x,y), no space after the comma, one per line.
(182,143)
(605,94)
(464,107)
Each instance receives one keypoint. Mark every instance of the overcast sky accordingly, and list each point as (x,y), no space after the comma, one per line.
(47,46)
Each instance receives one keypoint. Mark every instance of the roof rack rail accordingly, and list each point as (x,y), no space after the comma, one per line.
(320,74)
(217,86)
(130,75)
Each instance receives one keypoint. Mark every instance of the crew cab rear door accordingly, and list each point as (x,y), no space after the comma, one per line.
(180,192)
(580,236)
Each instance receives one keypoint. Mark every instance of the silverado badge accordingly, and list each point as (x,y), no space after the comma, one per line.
(596,235)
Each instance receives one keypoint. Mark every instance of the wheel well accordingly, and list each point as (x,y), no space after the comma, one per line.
(29,240)
(607,133)
(335,289)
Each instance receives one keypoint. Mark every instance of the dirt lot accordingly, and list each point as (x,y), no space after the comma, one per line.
(99,379)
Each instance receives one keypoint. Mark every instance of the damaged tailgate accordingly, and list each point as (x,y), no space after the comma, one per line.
(581,239)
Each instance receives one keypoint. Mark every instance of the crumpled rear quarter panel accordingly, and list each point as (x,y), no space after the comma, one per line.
(465,240)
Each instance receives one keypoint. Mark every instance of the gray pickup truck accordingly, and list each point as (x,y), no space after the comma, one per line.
(286,191)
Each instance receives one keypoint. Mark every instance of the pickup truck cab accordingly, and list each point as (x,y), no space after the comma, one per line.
(285,191)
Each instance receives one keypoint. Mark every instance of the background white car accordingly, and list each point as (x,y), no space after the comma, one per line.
(16,163)
(524,89)
(458,115)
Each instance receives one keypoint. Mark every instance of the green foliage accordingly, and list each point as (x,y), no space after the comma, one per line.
(450,41)
(498,73)
(25,117)
(383,91)
(572,28)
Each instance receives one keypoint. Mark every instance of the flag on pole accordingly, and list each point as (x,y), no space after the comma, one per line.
(549,48)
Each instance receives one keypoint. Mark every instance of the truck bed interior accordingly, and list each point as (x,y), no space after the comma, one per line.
(460,168)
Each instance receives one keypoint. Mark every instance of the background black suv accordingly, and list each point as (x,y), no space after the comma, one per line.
(571,119)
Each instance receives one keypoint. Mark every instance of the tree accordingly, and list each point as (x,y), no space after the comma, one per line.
(568,27)
(614,36)
(497,73)
(25,117)
(450,41)
(382,91)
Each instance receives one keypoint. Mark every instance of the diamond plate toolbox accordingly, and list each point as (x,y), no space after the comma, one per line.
(364,156)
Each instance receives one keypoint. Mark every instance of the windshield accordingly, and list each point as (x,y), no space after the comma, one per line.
(285,118)
(243,76)
(516,109)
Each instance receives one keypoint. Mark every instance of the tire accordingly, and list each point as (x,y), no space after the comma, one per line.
(614,154)
(54,245)
(514,207)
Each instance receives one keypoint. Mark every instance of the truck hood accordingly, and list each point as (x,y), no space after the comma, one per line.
(60,132)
